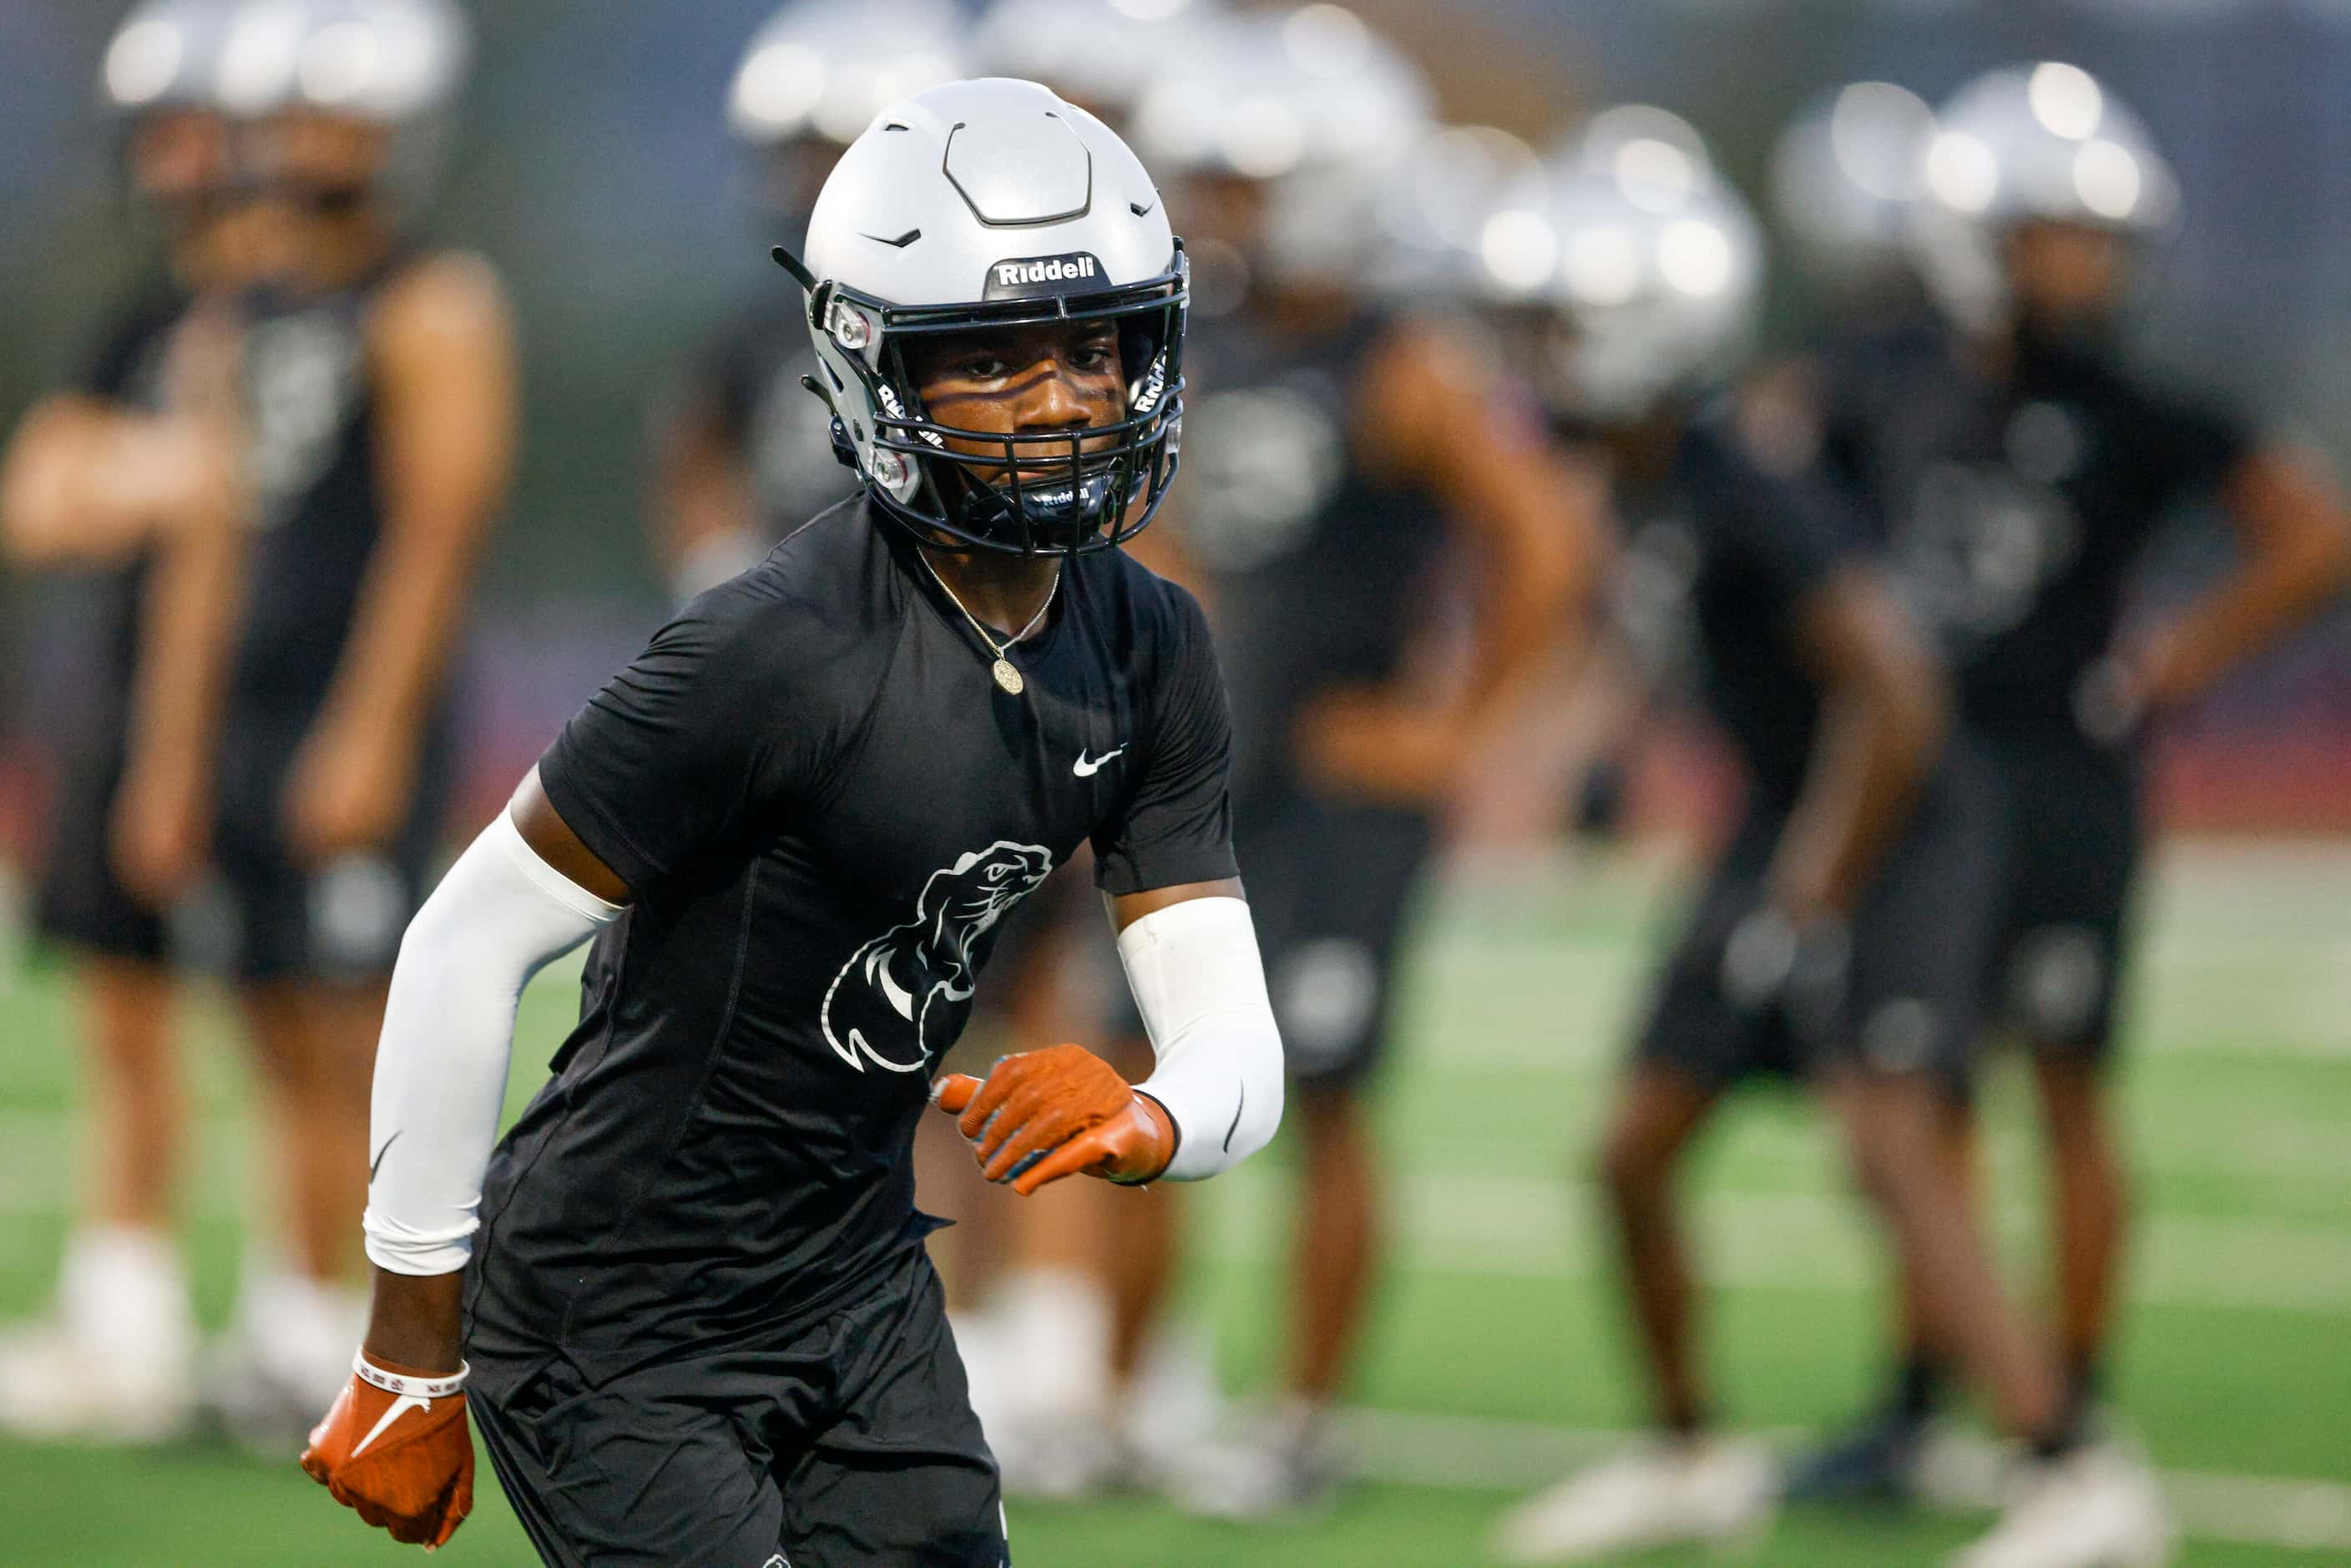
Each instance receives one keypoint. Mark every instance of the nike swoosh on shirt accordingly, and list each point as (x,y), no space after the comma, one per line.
(1085,768)
(376,1164)
(1237,1119)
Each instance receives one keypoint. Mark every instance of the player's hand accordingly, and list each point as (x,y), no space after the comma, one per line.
(161,828)
(1377,746)
(1044,1114)
(347,790)
(402,1460)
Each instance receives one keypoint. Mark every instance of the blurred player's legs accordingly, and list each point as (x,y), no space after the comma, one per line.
(114,1359)
(2066,869)
(1331,886)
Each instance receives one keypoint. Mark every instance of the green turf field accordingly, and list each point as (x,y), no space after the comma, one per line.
(1496,1354)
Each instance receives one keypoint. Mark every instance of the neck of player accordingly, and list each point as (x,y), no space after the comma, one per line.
(1005,592)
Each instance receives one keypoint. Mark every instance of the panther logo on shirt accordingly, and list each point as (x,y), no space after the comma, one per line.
(896,1002)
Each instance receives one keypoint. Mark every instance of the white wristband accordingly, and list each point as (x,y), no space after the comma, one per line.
(410,1388)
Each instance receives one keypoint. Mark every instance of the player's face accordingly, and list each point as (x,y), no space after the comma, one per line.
(311,156)
(1033,382)
(2066,273)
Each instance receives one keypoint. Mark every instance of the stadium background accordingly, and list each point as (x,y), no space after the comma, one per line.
(592,166)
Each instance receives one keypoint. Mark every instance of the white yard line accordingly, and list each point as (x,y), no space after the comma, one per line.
(1482,1455)
(1527,1227)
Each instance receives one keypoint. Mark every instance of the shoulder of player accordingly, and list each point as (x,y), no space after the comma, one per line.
(1132,592)
(812,602)
(439,298)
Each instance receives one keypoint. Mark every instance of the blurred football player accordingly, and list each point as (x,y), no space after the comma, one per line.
(379,403)
(2020,466)
(699,1322)
(130,479)
(1840,933)
(741,451)
(1337,452)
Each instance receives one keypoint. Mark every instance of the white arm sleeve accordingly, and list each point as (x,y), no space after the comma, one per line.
(1200,987)
(499,917)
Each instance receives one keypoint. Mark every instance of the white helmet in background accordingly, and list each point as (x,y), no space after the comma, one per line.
(1652,152)
(166,55)
(1845,173)
(2043,143)
(1435,203)
(393,64)
(993,204)
(1308,102)
(1653,290)
(821,70)
(1098,54)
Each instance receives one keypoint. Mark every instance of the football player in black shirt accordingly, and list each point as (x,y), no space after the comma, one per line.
(378,401)
(699,1319)
(129,480)
(2020,468)
(1339,453)
(1840,933)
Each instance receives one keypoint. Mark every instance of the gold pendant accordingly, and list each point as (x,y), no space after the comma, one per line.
(1008,678)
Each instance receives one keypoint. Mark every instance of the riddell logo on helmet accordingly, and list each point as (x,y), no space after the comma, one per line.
(1022,277)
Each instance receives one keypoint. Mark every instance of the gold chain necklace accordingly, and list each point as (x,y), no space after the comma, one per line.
(1005,676)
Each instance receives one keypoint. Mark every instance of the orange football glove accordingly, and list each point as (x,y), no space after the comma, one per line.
(1044,1114)
(396,1447)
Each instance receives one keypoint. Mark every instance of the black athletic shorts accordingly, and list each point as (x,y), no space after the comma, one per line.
(79,901)
(851,1444)
(1331,884)
(1900,990)
(260,915)
(2073,834)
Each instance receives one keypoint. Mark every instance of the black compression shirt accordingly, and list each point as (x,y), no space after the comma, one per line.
(2015,508)
(824,808)
(1319,566)
(1742,550)
(127,368)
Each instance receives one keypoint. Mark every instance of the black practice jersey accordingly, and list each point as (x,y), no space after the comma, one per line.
(127,368)
(2014,510)
(311,423)
(1318,565)
(1740,550)
(751,377)
(824,808)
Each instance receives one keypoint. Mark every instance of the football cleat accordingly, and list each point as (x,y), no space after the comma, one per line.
(1713,1489)
(2095,1508)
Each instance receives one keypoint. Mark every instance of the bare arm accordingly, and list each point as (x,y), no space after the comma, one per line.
(88,482)
(1883,714)
(1533,515)
(413,1318)
(2296,553)
(441,356)
(1429,413)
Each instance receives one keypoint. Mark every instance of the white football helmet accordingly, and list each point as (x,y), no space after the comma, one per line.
(1098,54)
(1308,101)
(1654,153)
(994,203)
(1651,291)
(819,71)
(1845,173)
(397,64)
(166,55)
(1435,203)
(2043,142)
